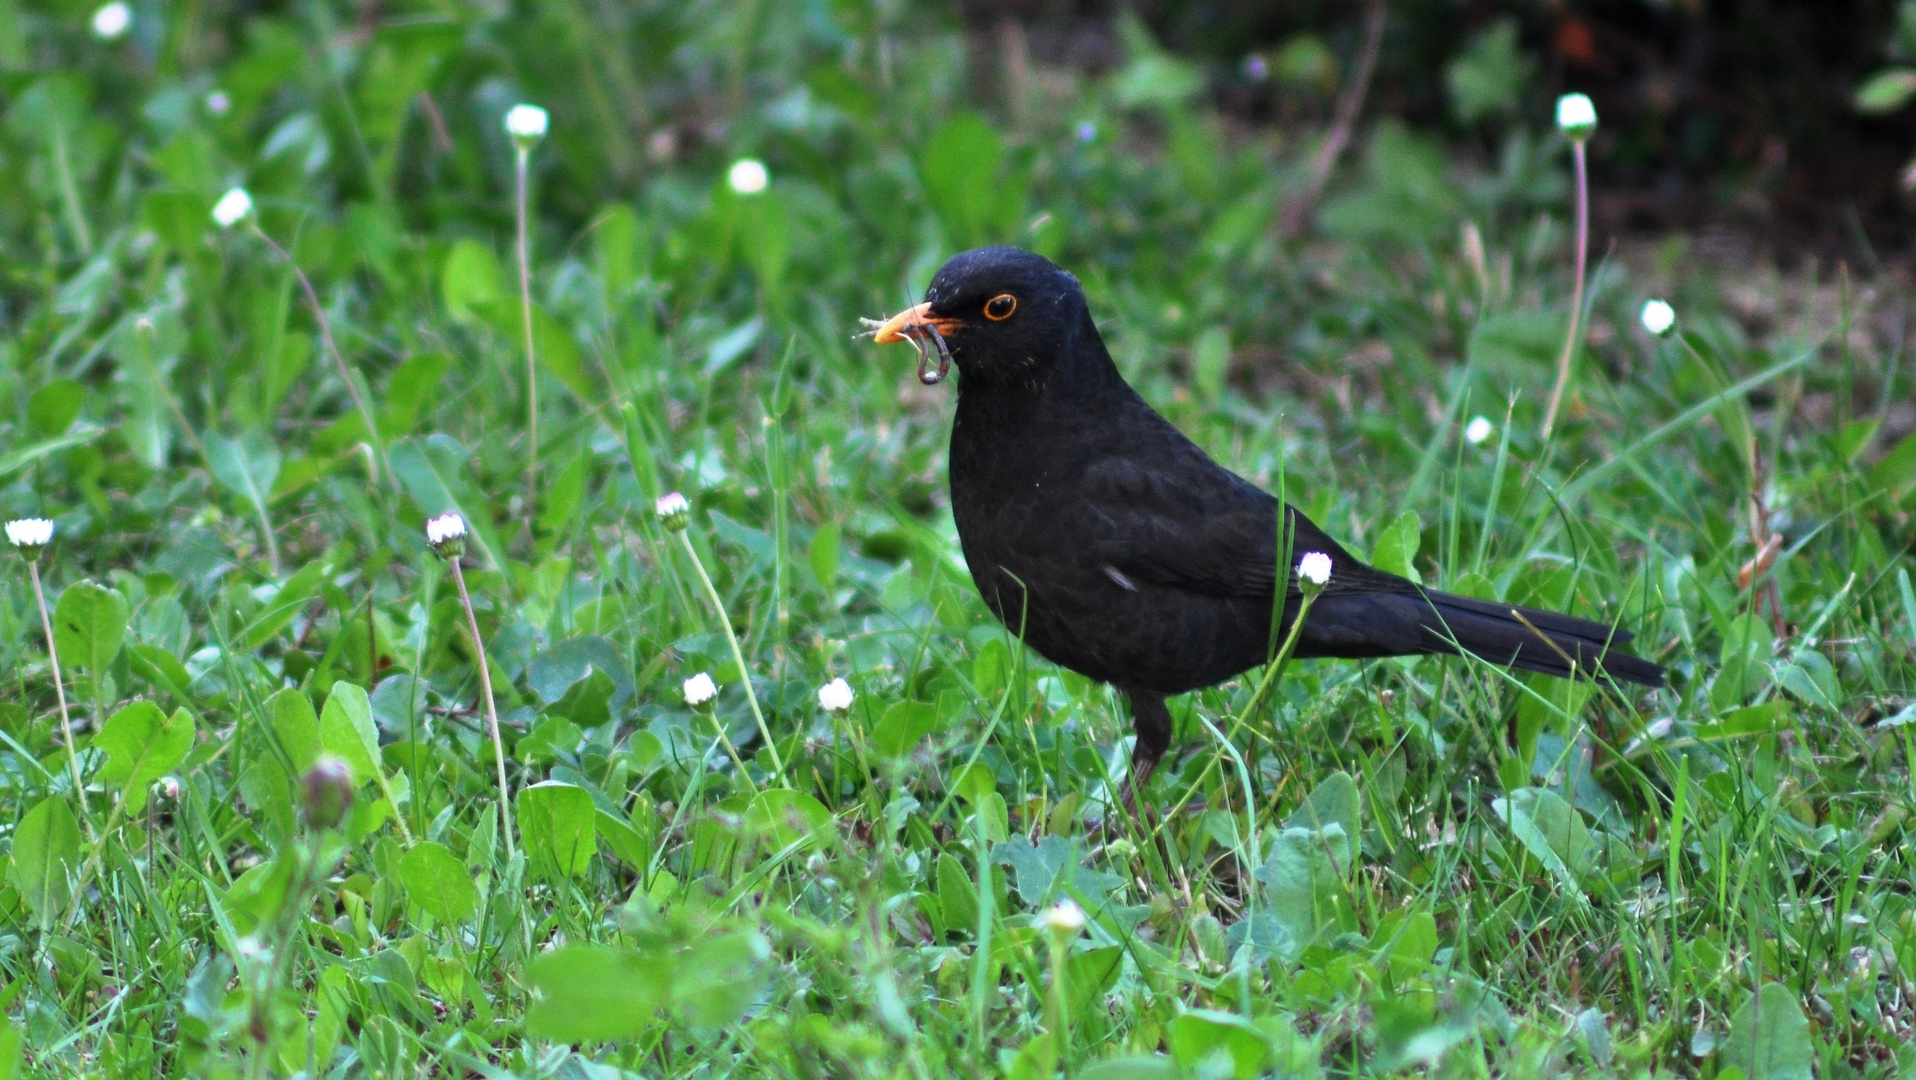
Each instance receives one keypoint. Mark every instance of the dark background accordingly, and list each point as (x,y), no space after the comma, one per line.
(1723,114)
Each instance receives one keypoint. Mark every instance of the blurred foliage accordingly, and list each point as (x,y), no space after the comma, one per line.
(1444,869)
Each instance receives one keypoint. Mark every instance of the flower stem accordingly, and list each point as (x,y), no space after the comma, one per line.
(525,319)
(492,710)
(60,694)
(331,347)
(1056,1019)
(738,655)
(1576,290)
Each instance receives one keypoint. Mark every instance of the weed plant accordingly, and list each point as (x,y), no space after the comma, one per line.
(1405,866)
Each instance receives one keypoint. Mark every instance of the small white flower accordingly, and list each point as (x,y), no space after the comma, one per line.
(30,532)
(112,20)
(1658,317)
(447,526)
(700,689)
(748,176)
(835,696)
(167,788)
(1065,917)
(1576,116)
(1314,569)
(232,207)
(1479,429)
(673,510)
(526,122)
(218,103)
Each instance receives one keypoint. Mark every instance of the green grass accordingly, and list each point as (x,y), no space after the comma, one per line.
(1439,868)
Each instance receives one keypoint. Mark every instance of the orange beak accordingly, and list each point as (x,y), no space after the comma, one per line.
(910,324)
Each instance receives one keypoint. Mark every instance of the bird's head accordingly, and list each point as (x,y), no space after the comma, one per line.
(1003,314)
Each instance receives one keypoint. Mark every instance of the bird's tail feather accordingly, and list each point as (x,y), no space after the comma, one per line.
(1534,640)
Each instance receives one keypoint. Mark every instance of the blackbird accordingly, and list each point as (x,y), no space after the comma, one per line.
(1114,546)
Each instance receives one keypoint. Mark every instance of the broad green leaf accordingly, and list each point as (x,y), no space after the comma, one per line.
(902,726)
(1334,801)
(1885,92)
(1396,549)
(14,460)
(787,816)
(1131,1068)
(824,554)
(55,406)
(627,845)
(556,826)
(1770,1037)
(142,744)
(720,977)
(437,881)
(89,623)
(1896,473)
(297,728)
(1200,1034)
(46,856)
(1211,362)
(1745,665)
(962,173)
(1551,830)
(246,466)
(469,275)
(958,894)
(347,732)
(294,596)
(588,993)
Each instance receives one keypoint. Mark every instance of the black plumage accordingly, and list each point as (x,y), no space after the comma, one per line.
(1117,548)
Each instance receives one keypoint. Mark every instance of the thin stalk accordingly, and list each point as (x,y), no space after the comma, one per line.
(1576,290)
(331,347)
(525,319)
(70,192)
(1056,1019)
(492,710)
(738,655)
(60,694)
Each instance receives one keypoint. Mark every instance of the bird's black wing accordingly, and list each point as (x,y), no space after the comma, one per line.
(1193,525)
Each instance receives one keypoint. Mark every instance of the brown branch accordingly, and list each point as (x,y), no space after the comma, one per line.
(1349,105)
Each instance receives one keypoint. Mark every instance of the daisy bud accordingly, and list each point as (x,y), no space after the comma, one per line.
(112,21)
(1065,919)
(748,176)
(835,696)
(1313,572)
(218,103)
(232,208)
(447,534)
(30,535)
(1658,317)
(167,787)
(1576,117)
(1478,430)
(700,689)
(326,792)
(526,124)
(674,511)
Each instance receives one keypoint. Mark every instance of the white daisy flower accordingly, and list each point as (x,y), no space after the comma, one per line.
(1479,430)
(1314,569)
(232,207)
(835,696)
(31,533)
(1576,116)
(700,689)
(748,176)
(1658,317)
(112,21)
(526,122)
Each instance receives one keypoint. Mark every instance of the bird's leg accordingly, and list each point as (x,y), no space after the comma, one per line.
(1152,723)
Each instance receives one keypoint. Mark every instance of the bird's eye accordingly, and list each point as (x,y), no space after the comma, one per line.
(1000,307)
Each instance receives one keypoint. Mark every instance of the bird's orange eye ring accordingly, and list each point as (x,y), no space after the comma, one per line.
(1000,307)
